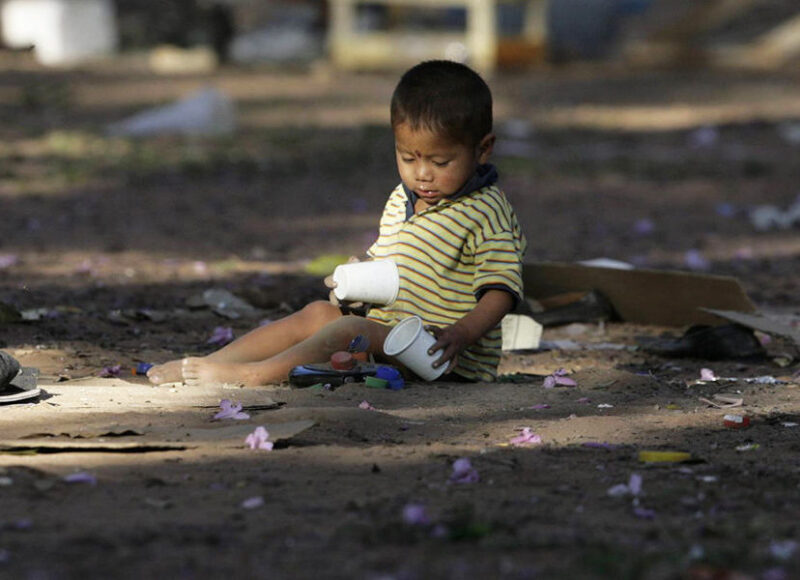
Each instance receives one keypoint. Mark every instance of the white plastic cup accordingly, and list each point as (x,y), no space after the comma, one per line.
(372,281)
(409,342)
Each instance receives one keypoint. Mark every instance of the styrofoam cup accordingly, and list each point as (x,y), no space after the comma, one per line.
(373,281)
(409,342)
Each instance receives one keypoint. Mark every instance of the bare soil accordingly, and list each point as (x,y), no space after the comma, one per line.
(112,237)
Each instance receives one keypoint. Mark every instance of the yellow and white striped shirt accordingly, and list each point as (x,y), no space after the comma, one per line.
(447,256)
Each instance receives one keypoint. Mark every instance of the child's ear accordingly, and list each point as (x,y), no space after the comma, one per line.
(485,148)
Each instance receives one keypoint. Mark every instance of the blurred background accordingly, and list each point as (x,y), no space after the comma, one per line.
(154,144)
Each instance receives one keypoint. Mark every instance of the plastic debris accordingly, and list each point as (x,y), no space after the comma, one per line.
(258,439)
(721,401)
(736,421)
(633,487)
(748,447)
(463,472)
(770,217)
(392,376)
(664,456)
(230,410)
(223,303)
(707,375)
(141,368)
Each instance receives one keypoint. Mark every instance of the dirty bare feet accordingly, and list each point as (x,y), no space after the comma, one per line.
(198,371)
(169,372)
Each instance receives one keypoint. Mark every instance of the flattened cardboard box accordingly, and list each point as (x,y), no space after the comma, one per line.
(658,297)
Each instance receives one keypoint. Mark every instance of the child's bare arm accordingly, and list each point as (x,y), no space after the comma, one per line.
(451,340)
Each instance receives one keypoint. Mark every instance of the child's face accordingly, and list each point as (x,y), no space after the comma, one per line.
(432,165)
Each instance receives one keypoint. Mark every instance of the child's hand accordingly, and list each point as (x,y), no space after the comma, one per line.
(329,283)
(450,340)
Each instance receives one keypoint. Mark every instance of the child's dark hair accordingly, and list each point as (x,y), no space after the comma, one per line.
(444,96)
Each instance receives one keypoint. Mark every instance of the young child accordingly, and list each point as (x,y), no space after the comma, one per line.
(449,228)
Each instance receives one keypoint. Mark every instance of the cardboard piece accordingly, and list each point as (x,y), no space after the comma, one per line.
(663,298)
(170,439)
(759,322)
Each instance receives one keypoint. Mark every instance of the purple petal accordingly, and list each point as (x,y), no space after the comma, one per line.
(707,375)
(566,381)
(584,400)
(463,472)
(540,406)
(8,260)
(366,406)
(644,513)
(527,437)
(695,260)
(230,410)
(222,335)
(415,514)
(635,483)
(549,382)
(258,439)
(80,477)
(110,371)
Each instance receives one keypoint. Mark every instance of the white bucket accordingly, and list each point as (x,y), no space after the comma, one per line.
(409,342)
(372,281)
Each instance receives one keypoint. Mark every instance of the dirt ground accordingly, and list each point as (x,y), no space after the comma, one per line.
(111,237)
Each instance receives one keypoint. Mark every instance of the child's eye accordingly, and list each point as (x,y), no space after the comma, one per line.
(407,159)
(441,163)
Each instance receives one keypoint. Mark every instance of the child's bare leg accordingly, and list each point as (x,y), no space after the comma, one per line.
(317,348)
(260,343)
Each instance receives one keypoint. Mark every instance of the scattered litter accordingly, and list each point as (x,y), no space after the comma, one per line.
(141,368)
(416,514)
(229,410)
(664,456)
(721,401)
(80,477)
(789,424)
(736,421)
(770,217)
(527,437)
(748,447)
(762,380)
(520,332)
(707,375)
(221,336)
(204,112)
(366,406)
(252,503)
(223,303)
(633,487)
(463,472)
(707,478)
(559,377)
(258,439)
(605,406)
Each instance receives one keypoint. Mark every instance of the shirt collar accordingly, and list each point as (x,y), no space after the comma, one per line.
(484,175)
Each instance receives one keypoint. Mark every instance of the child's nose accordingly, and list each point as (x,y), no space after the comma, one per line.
(424,172)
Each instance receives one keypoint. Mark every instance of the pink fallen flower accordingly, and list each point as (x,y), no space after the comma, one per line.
(221,336)
(252,503)
(111,371)
(366,406)
(707,375)
(463,472)
(559,378)
(229,410)
(527,437)
(258,439)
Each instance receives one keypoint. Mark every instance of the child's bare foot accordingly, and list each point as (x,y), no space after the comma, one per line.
(202,372)
(169,372)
